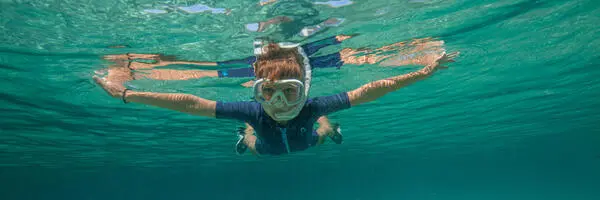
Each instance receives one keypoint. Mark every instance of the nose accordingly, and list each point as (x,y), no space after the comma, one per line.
(279,104)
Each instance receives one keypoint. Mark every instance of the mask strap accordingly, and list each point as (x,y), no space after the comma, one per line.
(258,48)
(307,70)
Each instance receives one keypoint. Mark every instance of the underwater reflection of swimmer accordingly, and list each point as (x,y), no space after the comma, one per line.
(415,52)
(147,69)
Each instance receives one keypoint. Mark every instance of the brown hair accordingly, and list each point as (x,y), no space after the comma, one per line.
(279,63)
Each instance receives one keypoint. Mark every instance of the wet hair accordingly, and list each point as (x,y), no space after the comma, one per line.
(279,63)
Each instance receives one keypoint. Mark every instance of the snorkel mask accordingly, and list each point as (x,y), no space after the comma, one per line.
(283,93)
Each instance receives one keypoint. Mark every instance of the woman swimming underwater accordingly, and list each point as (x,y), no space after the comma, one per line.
(281,115)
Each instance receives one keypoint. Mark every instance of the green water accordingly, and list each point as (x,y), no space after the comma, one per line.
(515,118)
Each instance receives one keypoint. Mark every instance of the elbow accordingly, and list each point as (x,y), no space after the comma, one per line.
(203,107)
(357,98)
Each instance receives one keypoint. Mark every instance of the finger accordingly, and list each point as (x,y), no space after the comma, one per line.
(100,72)
(102,83)
(454,54)
(98,80)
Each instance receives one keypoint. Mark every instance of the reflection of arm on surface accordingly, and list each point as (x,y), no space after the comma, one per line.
(172,74)
(416,52)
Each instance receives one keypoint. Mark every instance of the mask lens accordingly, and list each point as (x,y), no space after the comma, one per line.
(267,91)
(291,91)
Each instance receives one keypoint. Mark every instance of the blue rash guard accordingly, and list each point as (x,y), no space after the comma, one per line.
(326,61)
(274,138)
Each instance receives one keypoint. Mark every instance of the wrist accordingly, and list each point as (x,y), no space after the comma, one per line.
(427,69)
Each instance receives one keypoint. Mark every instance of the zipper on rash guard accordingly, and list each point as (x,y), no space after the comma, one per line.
(284,139)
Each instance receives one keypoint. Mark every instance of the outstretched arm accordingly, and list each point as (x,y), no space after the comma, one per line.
(376,89)
(179,102)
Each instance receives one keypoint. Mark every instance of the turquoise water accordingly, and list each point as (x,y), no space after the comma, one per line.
(515,118)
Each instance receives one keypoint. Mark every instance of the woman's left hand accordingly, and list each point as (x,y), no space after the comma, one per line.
(114,90)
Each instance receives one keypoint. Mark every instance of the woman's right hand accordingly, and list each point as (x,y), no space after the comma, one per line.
(439,61)
(114,90)
(447,58)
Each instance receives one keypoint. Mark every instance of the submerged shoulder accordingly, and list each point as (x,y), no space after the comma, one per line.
(329,104)
(237,108)
(339,98)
